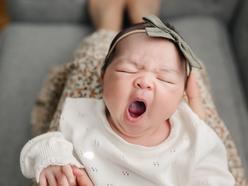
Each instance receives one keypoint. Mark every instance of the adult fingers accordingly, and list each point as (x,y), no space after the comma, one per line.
(77,172)
(84,180)
(194,97)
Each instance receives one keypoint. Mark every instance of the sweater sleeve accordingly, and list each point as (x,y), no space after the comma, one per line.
(45,150)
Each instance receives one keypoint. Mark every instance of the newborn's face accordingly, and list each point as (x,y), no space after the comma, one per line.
(143,85)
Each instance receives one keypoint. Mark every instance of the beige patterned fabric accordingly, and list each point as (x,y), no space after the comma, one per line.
(81,78)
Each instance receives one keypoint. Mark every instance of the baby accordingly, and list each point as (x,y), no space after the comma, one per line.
(141,132)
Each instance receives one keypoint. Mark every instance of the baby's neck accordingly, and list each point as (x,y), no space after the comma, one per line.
(156,137)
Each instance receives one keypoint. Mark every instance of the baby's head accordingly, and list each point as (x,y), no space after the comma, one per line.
(143,80)
(135,29)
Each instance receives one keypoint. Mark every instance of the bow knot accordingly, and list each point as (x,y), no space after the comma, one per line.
(159,29)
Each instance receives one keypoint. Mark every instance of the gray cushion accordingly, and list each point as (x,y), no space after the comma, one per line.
(218,8)
(240,40)
(48,10)
(75,11)
(26,53)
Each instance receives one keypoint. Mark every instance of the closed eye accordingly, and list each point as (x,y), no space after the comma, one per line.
(165,81)
(126,71)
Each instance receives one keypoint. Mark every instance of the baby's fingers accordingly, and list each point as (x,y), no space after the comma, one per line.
(51,180)
(43,180)
(67,170)
(61,180)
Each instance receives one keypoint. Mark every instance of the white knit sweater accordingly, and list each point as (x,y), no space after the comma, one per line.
(191,155)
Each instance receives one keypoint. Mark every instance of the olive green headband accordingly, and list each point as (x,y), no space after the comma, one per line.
(161,30)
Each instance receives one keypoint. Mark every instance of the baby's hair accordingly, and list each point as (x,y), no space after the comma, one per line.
(140,26)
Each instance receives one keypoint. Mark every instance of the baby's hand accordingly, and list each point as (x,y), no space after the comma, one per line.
(58,176)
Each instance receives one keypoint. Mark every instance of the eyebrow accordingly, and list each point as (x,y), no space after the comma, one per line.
(128,61)
(168,70)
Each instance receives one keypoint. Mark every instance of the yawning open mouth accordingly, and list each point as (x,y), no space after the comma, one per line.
(136,109)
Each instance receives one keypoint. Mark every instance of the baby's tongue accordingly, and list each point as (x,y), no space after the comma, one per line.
(137,108)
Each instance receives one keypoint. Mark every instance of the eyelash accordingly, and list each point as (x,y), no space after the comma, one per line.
(127,72)
(165,81)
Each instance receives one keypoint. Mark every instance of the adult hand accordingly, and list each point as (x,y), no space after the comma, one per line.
(194,97)
(82,177)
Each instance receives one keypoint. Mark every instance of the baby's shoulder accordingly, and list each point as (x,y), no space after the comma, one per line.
(194,133)
(190,123)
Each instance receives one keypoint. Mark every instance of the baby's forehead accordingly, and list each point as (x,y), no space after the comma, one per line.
(141,40)
(134,50)
(151,45)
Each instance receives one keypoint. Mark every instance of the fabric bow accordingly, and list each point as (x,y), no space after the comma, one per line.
(160,30)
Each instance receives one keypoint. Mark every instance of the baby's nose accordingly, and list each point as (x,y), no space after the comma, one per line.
(143,82)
